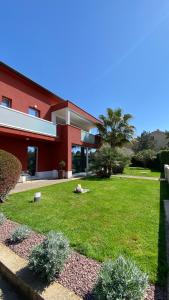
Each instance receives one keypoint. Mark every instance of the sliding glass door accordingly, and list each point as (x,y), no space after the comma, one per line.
(81,156)
(32,159)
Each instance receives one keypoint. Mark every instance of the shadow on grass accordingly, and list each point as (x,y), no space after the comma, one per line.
(162,254)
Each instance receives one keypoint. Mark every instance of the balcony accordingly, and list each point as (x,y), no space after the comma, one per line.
(18,120)
(87,137)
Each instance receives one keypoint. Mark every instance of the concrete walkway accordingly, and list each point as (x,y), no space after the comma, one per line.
(35,184)
(137,177)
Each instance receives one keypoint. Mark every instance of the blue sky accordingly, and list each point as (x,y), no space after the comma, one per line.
(96,53)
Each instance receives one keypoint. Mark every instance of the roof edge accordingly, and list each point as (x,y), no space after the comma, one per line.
(30,80)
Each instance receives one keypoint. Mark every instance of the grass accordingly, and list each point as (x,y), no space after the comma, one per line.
(137,171)
(118,216)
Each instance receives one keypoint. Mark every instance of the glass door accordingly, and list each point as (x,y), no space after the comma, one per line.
(32,159)
(78,159)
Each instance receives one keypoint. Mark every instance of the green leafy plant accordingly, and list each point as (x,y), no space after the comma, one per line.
(164,158)
(62,164)
(144,158)
(115,128)
(20,233)
(120,279)
(107,161)
(10,169)
(48,258)
(2,218)
(144,142)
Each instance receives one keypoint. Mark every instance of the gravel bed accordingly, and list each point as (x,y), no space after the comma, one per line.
(79,273)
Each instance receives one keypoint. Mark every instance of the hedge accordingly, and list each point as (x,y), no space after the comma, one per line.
(10,169)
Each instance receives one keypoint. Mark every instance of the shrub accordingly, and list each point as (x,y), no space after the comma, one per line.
(118,168)
(120,279)
(20,233)
(164,158)
(10,169)
(47,259)
(2,218)
(107,161)
(143,158)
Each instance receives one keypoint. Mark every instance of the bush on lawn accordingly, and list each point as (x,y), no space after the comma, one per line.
(107,161)
(48,258)
(10,169)
(163,156)
(120,279)
(144,159)
(20,233)
(2,218)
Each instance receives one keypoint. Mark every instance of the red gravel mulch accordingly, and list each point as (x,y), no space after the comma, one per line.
(79,273)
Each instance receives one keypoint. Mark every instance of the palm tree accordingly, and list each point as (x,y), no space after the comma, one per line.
(115,128)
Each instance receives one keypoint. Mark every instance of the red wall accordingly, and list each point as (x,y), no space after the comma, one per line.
(18,147)
(69,135)
(23,94)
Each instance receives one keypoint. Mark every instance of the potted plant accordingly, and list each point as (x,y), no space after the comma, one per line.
(61,172)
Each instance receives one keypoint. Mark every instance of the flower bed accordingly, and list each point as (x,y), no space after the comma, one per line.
(79,273)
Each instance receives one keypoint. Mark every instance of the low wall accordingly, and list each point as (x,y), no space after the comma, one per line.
(15,270)
(166,172)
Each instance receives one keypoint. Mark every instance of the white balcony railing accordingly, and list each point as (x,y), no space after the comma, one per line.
(22,121)
(87,137)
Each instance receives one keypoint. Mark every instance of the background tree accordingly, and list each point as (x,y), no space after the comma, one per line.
(115,129)
(167,136)
(144,158)
(144,142)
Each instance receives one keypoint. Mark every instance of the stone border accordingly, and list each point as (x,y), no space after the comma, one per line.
(15,269)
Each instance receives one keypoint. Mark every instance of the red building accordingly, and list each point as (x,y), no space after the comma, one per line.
(42,129)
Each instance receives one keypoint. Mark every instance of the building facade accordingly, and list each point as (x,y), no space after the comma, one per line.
(42,129)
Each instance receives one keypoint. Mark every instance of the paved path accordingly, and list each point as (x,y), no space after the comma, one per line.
(29,185)
(7,292)
(137,177)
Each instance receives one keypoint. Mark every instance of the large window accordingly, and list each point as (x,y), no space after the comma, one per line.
(6,102)
(33,112)
(32,159)
(79,158)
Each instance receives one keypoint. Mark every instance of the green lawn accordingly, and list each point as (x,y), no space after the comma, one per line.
(137,171)
(118,216)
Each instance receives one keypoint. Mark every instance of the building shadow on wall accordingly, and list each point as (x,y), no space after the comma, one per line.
(162,270)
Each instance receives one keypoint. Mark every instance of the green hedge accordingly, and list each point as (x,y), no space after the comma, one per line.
(163,157)
(10,169)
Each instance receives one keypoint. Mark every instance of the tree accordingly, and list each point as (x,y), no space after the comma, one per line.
(167,136)
(115,128)
(107,161)
(143,158)
(144,142)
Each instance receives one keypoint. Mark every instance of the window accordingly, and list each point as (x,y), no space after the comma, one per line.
(34,112)
(6,102)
